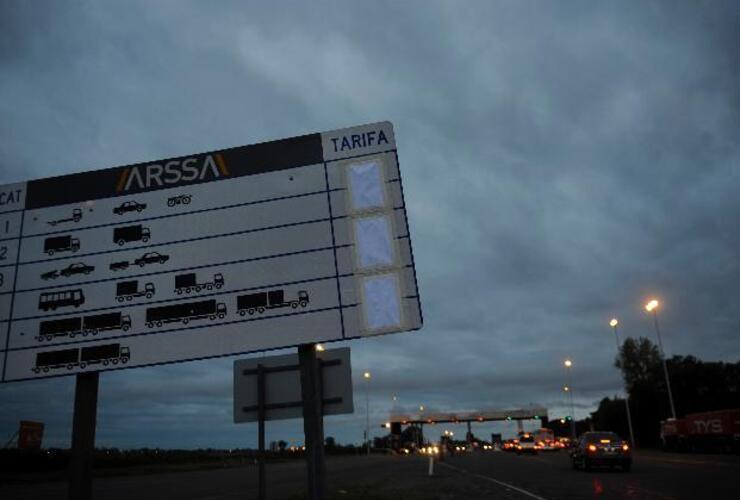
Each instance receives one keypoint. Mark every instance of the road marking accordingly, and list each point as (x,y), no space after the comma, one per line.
(500,483)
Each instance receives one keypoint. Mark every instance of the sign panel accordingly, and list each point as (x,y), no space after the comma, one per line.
(252,248)
(283,386)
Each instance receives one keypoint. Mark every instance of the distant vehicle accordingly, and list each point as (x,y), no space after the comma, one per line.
(509,445)
(564,442)
(109,321)
(526,444)
(77,268)
(545,440)
(65,298)
(127,234)
(119,266)
(188,283)
(129,206)
(76,217)
(127,290)
(601,449)
(61,244)
(151,258)
(180,198)
(713,431)
(59,328)
(185,312)
(50,275)
(261,301)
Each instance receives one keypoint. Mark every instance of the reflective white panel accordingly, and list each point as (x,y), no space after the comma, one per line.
(382,302)
(366,185)
(373,242)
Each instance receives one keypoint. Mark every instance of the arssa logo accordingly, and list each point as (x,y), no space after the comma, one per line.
(208,167)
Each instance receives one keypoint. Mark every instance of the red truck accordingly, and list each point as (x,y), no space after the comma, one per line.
(708,431)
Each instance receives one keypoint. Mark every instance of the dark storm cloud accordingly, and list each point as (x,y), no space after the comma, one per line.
(561,162)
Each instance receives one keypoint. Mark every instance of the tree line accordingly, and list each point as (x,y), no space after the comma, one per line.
(698,386)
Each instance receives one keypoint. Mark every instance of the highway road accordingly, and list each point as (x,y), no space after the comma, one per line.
(654,475)
(470,476)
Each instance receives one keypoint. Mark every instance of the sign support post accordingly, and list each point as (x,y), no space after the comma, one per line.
(262,495)
(83,436)
(313,420)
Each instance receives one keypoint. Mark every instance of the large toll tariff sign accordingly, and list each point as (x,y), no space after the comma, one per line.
(257,247)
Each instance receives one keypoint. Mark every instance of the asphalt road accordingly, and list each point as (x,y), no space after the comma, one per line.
(468,476)
(654,475)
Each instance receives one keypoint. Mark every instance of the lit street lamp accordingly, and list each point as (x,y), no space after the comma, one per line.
(366,375)
(614,323)
(568,388)
(652,307)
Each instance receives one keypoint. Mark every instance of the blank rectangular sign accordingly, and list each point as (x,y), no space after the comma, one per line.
(233,251)
(283,386)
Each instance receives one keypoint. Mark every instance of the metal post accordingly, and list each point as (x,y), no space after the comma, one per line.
(572,406)
(626,395)
(262,485)
(83,436)
(313,421)
(367,414)
(470,434)
(665,365)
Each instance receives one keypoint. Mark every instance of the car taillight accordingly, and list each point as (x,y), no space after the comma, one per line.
(592,447)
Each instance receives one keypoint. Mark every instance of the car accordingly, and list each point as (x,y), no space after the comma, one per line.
(77,268)
(595,449)
(151,258)
(129,206)
(510,445)
(51,275)
(526,444)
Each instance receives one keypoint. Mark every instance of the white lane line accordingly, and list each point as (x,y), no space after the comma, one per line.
(500,483)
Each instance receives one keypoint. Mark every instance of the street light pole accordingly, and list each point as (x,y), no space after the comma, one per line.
(569,388)
(613,323)
(367,410)
(652,307)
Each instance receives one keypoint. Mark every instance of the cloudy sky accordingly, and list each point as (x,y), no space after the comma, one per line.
(562,163)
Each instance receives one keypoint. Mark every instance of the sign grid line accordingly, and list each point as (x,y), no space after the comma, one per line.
(334,245)
(12,297)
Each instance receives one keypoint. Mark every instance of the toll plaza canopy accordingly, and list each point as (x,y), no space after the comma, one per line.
(469,416)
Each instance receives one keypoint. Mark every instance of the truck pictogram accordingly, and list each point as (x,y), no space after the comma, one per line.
(127,234)
(127,290)
(57,244)
(188,283)
(59,328)
(185,312)
(262,301)
(89,325)
(70,358)
(97,323)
